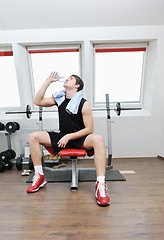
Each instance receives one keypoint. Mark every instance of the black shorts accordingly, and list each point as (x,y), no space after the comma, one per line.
(56,136)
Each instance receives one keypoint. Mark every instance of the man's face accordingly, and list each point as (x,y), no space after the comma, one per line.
(70,83)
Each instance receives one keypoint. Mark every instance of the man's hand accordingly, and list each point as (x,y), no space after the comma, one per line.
(64,140)
(53,77)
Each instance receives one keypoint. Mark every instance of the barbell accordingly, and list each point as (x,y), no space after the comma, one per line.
(29,112)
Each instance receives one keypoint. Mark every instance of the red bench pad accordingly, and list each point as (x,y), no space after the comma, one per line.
(73,152)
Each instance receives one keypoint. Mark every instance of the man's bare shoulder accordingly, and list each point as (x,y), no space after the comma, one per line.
(86,107)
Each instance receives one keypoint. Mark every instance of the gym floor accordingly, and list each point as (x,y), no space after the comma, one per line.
(136,210)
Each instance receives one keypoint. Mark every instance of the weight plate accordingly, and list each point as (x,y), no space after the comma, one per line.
(118,109)
(2,126)
(8,165)
(13,153)
(9,155)
(28,111)
(19,161)
(4,156)
(2,167)
(11,127)
(17,124)
(31,166)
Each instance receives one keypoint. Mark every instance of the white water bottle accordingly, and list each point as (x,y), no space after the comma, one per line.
(62,79)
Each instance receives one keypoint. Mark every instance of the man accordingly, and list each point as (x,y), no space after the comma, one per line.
(76,131)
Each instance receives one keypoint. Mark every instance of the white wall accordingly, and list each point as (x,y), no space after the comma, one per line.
(134,133)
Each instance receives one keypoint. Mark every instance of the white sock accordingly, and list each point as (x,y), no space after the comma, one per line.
(39,169)
(101,179)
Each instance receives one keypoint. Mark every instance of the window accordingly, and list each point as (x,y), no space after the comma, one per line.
(9,95)
(44,60)
(119,72)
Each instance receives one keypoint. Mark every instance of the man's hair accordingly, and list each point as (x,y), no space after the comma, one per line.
(79,81)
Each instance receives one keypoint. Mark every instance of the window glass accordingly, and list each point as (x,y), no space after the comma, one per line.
(9,94)
(65,61)
(119,71)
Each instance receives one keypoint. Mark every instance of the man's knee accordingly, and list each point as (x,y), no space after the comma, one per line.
(98,140)
(41,138)
(33,137)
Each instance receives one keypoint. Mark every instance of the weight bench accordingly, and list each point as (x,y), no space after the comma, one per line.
(74,175)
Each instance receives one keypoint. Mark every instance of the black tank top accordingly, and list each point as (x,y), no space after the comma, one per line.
(69,123)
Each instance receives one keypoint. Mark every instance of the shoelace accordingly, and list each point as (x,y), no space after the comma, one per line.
(102,187)
(35,178)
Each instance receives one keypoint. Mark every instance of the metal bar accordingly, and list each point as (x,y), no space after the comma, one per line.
(41,129)
(14,112)
(8,140)
(109,132)
(94,110)
(99,109)
(74,184)
(115,109)
(124,109)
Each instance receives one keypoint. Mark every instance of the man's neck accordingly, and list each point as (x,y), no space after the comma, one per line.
(70,93)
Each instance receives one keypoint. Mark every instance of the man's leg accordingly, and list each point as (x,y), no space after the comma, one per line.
(97,143)
(35,140)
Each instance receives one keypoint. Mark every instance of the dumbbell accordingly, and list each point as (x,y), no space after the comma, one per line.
(20,163)
(2,126)
(12,127)
(5,158)
(7,155)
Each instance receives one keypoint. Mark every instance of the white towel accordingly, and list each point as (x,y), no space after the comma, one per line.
(73,105)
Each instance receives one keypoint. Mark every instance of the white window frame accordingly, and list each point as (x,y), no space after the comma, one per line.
(117,46)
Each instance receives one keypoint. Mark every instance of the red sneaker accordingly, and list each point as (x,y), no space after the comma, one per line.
(38,181)
(101,195)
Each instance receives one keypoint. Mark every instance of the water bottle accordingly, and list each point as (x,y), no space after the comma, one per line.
(62,79)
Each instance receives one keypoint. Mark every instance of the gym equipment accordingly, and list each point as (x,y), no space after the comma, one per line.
(29,112)
(19,160)
(2,126)
(5,158)
(8,165)
(12,127)
(74,174)
(109,160)
(2,166)
(7,155)
(20,163)
(73,154)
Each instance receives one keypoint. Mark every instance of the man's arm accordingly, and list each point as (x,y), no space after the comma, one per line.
(39,98)
(88,123)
